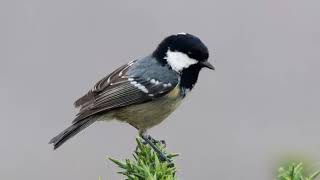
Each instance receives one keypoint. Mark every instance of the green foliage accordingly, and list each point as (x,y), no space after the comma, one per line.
(295,172)
(146,164)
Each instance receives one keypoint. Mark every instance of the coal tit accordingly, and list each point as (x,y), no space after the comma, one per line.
(145,91)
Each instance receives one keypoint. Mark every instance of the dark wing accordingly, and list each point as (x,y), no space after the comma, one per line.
(118,90)
(101,85)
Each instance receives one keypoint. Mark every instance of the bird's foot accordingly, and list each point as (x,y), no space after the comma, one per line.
(152,142)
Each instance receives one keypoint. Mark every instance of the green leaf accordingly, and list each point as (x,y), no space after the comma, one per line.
(314,175)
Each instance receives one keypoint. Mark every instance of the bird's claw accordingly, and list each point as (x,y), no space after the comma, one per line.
(154,141)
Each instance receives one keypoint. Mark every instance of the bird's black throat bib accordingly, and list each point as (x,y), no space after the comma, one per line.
(189,76)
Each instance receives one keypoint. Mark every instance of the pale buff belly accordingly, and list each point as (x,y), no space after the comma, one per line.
(147,115)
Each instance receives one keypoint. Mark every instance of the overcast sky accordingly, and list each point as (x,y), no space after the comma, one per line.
(260,104)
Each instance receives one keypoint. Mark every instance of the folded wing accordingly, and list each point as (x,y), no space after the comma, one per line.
(117,90)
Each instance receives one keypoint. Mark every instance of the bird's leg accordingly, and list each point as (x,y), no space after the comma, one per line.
(154,141)
(148,139)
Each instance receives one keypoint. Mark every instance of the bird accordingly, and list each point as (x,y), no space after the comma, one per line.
(144,91)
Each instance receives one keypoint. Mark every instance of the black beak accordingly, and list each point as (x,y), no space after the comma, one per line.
(207,65)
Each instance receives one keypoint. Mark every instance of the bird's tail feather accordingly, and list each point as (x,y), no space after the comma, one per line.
(72,130)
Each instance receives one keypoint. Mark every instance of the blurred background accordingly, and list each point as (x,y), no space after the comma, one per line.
(260,104)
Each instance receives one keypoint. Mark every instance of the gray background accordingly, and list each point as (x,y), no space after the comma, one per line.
(261,103)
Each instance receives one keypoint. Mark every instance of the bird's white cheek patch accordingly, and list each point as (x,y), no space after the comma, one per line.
(179,61)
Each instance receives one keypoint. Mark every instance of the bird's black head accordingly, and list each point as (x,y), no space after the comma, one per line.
(186,54)
(183,50)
